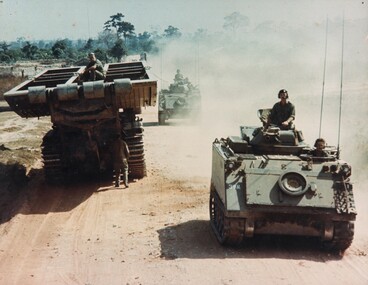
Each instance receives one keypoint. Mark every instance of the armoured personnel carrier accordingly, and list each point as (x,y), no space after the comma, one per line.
(86,115)
(181,100)
(266,182)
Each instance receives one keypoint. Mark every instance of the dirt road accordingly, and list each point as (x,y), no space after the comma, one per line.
(154,232)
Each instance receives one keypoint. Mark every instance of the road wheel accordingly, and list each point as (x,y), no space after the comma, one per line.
(342,238)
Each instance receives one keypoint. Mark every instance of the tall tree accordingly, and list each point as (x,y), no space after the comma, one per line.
(122,28)
(171,32)
(235,21)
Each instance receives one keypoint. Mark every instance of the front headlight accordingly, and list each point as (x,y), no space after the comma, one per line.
(293,183)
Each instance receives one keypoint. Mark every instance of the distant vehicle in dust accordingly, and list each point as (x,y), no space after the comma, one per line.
(267,182)
(181,100)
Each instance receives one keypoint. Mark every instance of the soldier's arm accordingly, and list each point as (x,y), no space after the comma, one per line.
(292,114)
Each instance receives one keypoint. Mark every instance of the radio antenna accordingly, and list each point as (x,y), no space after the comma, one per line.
(341,79)
(323,83)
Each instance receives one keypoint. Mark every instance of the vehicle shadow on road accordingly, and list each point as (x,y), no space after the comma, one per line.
(150,124)
(37,197)
(172,123)
(195,239)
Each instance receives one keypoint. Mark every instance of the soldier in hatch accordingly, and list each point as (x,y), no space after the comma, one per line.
(283,112)
(319,151)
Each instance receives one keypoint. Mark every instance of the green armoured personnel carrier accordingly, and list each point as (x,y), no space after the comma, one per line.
(86,116)
(181,100)
(265,181)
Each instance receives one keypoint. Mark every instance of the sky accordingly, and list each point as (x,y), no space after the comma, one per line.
(56,19)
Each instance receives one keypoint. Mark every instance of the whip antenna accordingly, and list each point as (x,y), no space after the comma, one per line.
(341,79)
(323,83)
(197,63)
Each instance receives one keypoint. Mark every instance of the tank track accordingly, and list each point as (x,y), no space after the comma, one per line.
(132,130)
(136,162)
(228,231)
(342,238)
(51,155)
(344,200)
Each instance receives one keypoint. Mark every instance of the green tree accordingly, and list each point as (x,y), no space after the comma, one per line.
(59,48)
(172,33)
(118,50)
(106,39)
(30,51)
(44,53)
(127,29)
(11,55)
(89,45)
(41,44)
(146,43)
(101,54)
(19,42)
(122,28)
(4,46)
(133,45)
(5,57)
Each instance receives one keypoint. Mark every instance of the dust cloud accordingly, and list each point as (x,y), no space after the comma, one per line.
(241,73)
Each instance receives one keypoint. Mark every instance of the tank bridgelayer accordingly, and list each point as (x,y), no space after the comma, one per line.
(266,182)
(86,116)
(181,100)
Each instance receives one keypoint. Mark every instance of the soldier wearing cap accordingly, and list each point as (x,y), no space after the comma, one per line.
(94,69)
(283,112)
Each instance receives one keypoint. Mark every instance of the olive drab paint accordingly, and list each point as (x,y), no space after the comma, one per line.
(266,182)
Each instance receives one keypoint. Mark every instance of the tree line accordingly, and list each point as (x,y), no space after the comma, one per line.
(117,39)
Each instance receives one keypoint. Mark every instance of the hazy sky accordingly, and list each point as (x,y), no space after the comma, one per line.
(55,19)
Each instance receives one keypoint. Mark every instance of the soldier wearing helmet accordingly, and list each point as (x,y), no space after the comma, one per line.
(94,69)
(283,112)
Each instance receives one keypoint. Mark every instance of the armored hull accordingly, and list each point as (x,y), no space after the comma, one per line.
(85,117)
(265,182)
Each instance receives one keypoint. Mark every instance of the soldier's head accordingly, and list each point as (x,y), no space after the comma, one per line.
(283,94)
(320,144)
(91,56)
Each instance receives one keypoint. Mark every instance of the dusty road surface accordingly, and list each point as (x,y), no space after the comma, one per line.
(154,232)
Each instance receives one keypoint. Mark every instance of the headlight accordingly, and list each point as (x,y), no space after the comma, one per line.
(293,183)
